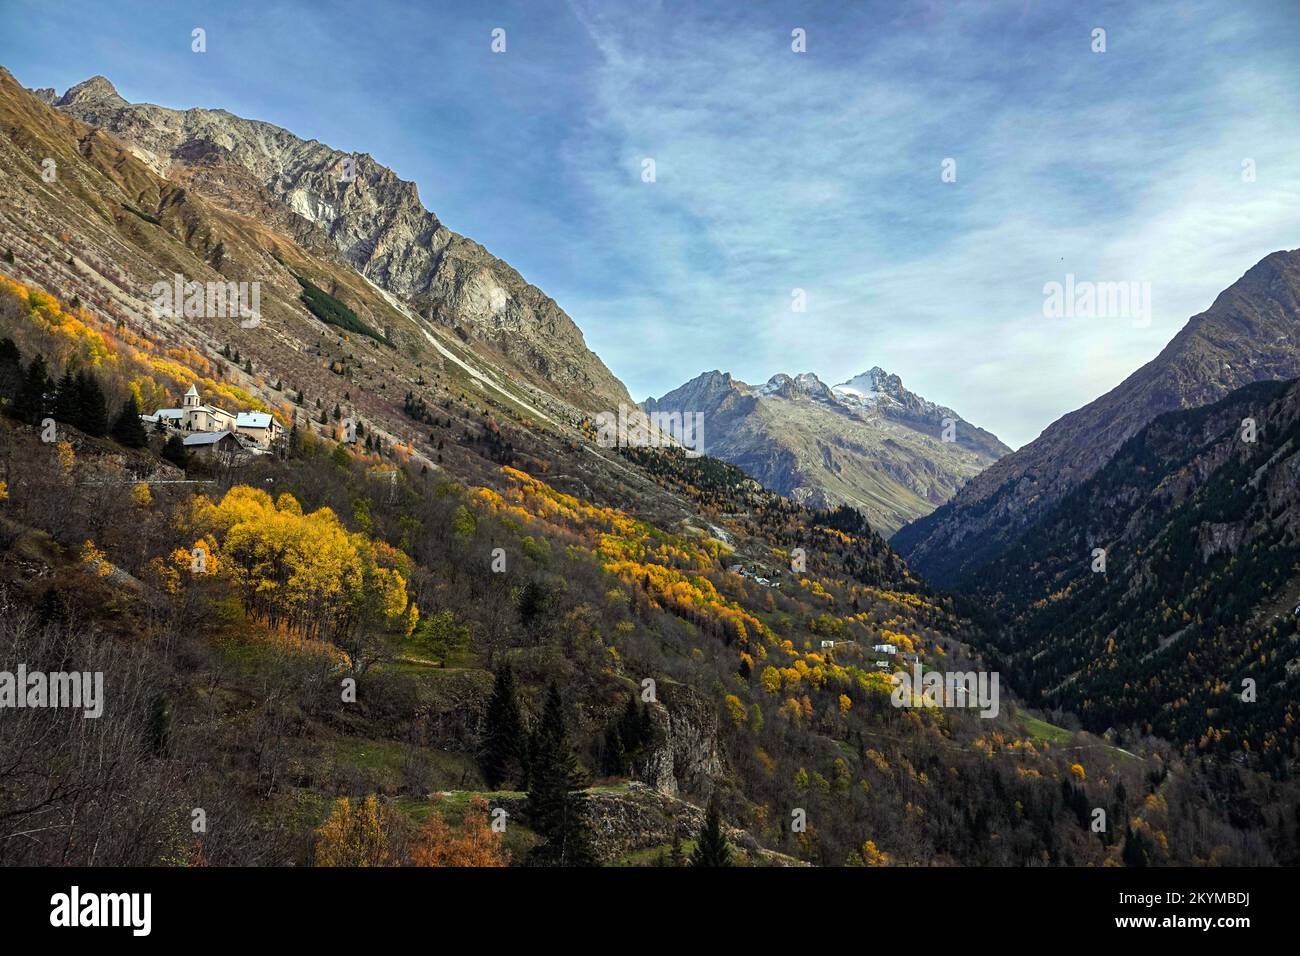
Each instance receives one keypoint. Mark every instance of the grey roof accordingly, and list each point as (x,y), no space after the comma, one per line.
(205,438)
(168,413)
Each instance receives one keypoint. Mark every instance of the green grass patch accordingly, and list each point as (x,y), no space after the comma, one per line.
(1042,730)
(650,855)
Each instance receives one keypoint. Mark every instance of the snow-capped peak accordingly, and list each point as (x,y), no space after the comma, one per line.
(869,388)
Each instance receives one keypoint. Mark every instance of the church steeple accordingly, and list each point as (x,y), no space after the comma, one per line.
(192,398)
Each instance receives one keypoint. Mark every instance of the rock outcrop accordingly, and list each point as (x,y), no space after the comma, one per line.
(635,817)
(687,757)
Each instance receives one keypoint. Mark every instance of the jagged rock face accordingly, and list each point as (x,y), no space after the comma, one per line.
(376,220)
(868,442)
(687,758)
(1250,333)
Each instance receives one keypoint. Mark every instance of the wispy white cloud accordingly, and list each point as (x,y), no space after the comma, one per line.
(821,171)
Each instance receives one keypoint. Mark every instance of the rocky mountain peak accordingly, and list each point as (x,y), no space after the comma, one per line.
(1250,333)
(873,386)
(373,218)
(96,90)
(803,385)
(875,446)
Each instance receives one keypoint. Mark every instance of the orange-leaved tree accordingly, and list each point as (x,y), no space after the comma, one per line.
(475,844)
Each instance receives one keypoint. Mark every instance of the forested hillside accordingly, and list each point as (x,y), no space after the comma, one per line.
(1192,630)
(523,652)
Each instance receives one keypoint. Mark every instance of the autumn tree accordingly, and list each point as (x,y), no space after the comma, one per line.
(474,844)
(357,834)
(310,576)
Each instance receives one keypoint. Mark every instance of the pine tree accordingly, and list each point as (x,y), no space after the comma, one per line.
(67,399)
(174,451)
(1135,852)
(615,753)
(11,371)
(34,400)
(557,804)
(678,856)
(505,742)
(534,607)
(712,849)
(128,430)
(89,405)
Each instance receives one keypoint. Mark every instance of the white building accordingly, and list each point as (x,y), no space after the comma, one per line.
(195,417)
(259,426)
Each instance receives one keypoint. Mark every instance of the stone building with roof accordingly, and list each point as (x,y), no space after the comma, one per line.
(195,417)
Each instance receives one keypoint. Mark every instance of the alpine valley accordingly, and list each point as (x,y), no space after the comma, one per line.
(358,576)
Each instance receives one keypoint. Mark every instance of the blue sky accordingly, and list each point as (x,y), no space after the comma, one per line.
(778,171)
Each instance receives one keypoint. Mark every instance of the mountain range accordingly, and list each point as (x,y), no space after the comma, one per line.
(1250,333)
(867,443)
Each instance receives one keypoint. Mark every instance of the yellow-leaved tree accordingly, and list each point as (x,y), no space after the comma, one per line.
(307,574)
(357,834)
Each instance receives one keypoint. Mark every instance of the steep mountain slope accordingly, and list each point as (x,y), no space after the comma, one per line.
(868,443)
(323,197)
(1200,527)
(1250,333)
